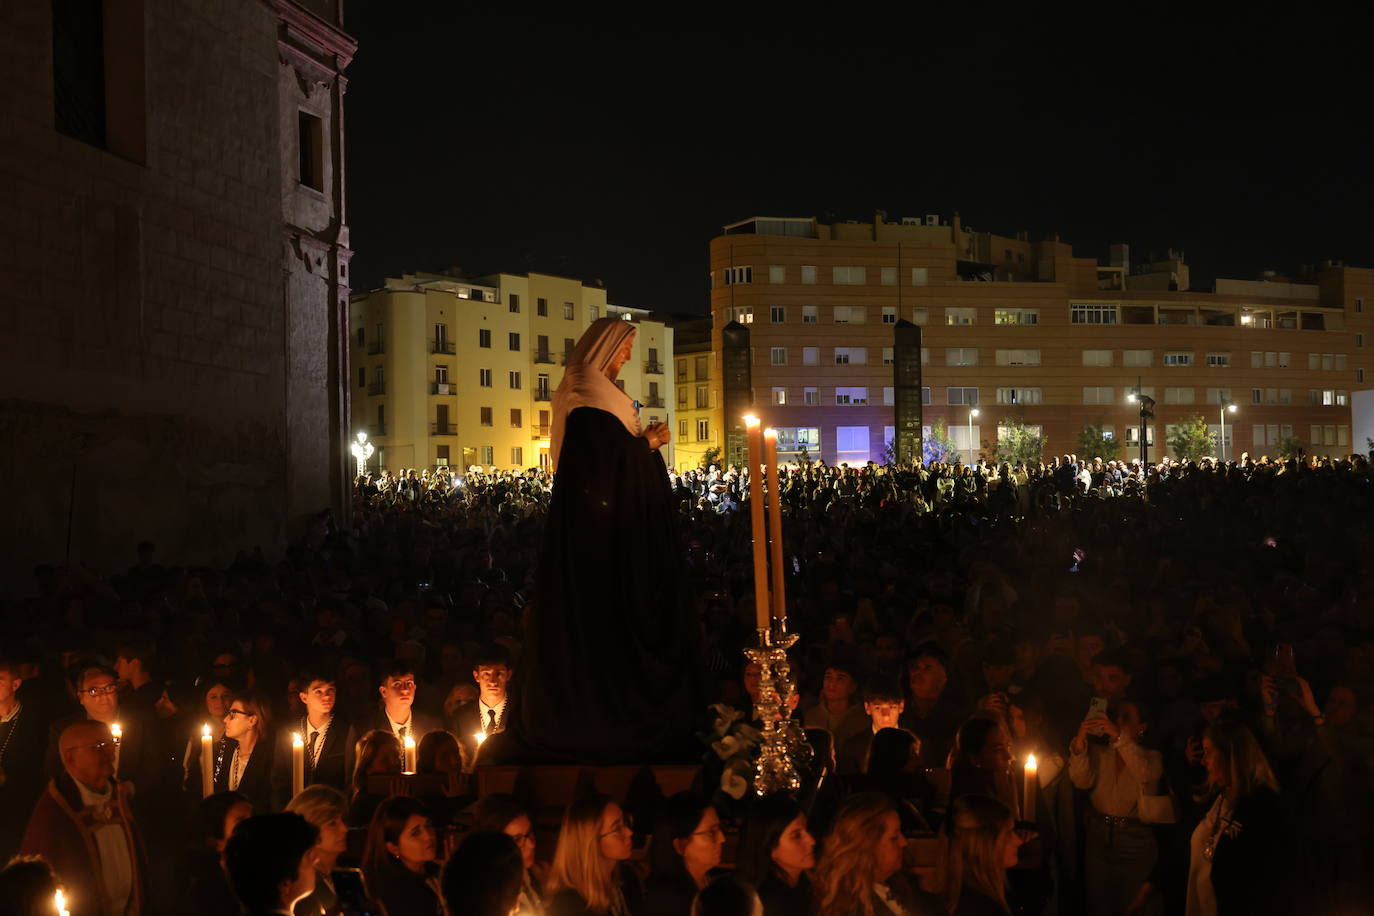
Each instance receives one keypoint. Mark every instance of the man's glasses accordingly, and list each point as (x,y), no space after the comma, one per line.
(625,824)
(94,692)
(94,745)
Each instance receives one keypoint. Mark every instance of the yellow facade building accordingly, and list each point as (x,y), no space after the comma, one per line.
(455,372)
(698,413)
(1026,330)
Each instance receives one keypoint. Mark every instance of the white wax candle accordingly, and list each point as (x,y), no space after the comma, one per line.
(297,764)
(1029,789)
(207,762)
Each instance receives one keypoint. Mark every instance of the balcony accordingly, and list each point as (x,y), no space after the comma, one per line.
(653,368)
(654,402)
(443,429)
(539,432)
(441,346)
(543,356)
(377,387)
(443,388)
(377,429)
(542,394)
(375,347)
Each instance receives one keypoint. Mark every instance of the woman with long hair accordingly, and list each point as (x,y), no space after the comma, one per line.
(504,813)
(776,855)
(980,761)
(859,872)
(687,844)
(587,877)
(378,754)
(399,859)
(1236,860)
(981,843)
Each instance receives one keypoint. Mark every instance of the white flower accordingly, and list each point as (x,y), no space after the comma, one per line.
(733,783)
(726,747)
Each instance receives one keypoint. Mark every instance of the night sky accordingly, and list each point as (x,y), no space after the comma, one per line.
(492,144)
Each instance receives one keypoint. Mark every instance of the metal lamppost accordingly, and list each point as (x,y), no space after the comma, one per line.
(362,450)
(1226,405)
(1147,413)
(972,447)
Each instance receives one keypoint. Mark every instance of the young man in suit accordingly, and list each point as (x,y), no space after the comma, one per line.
(485,716)
(329,740)
(883,704)
(394,712)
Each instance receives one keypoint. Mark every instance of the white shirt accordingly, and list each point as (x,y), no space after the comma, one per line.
(322,731)
(408,724)
(884,893)
(1202,897)
(116,859)
(482,708)
(1115,788)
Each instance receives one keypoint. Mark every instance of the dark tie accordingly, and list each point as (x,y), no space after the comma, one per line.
(405,730)
(310,750)
(491,720)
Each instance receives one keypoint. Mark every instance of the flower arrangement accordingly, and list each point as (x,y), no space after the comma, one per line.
(735,743)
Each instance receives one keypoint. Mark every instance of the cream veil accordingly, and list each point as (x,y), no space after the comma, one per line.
(584,380)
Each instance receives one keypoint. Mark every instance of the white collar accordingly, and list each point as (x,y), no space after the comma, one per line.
(91,798)
(397,726)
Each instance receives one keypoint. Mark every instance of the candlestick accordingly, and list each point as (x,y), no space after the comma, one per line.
(770,458)
(117,734)
(297,764)
(410,754)
(1030,787)
(207,763)
(755,433)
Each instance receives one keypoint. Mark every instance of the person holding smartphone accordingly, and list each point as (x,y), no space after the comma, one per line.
(1121,849)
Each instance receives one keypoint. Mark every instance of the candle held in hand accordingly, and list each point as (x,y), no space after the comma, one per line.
(117,732)
(207,762)
(1029,790)
(410,755)
(297,764)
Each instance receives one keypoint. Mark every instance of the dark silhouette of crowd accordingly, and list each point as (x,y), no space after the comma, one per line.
(1187,649)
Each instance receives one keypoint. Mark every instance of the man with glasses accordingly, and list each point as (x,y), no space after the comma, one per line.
(83,827)
(328,738)
(394,712)
(97,690)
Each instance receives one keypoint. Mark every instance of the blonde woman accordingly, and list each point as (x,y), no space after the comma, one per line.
(587,878)
(981,844)
(1236,855)
(324,807)
(859,872)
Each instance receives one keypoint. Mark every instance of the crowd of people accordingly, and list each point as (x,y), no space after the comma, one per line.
(1187,649)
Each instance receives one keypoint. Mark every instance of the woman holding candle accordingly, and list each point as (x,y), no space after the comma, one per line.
(614,663)
(247,766)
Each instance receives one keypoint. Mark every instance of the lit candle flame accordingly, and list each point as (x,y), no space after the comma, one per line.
(410,742)
(296,740)
(750,420)
(60,902)
(479,737)
(1030,762)
(205,730)
(116,732)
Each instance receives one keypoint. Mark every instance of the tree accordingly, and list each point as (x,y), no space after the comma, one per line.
(1288,447)
(711,456)
(938,446)
(1095,442)
(1191,440)
(1017,442)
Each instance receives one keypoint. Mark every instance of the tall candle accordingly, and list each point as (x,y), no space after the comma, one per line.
(207,763)
(297,764)
(770,458)
(117,733)
(755,432)
(410,754)
(1030,788)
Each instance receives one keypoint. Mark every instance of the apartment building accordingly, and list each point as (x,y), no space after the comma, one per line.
(456,371)
(1019,329)
(698,428)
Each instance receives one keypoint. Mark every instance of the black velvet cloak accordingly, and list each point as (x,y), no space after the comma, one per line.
(612,671)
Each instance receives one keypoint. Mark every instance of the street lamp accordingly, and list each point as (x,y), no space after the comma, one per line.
(1226,406)
(972,448)
(1147,413)
(362,450)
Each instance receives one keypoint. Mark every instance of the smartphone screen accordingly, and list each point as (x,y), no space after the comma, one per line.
(1098,707)
(351,890)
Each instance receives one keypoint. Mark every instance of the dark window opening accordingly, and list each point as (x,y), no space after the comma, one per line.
(310,137)
(78,70)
